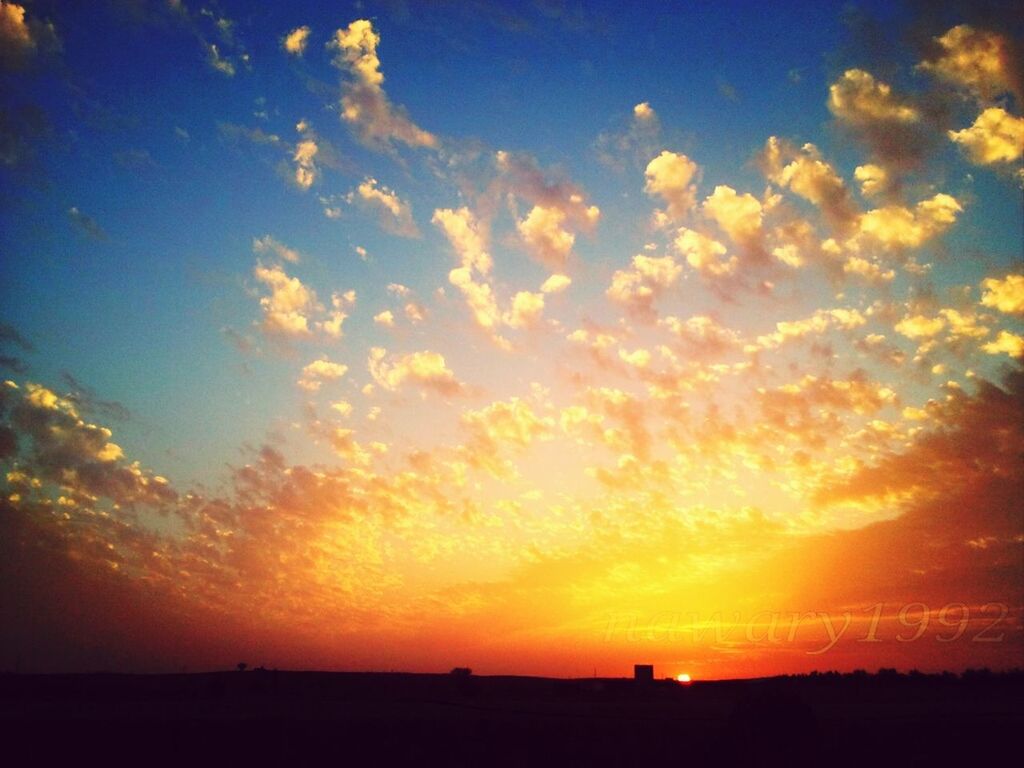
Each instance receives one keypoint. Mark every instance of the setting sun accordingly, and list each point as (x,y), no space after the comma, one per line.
(683,678)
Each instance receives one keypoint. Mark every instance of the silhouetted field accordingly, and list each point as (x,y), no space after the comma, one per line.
(367,718)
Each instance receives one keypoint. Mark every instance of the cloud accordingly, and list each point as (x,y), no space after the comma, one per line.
(256,135)
(14,32)
(22,37)
(738,215)
(920,327)
(629,412)
(892,129)
(218,62)
(340,303)
(269,245)
(556,284)
(287,310)
(295,42)
(870,271)
(468,239)
(637,288)
(704,253)
(873,179)
(479,297)
(86,400)
(1006,294)
(510,422)
(700,336)
(505,423)
(86,224)
(995,137)
(963,325)
(342,407)
(805,172)
(319,371)
(673,177)
(818,323)
(364,104)
(526,311)
(636,142)
(426,370)
(858,98)
(415,312)
(1006,343)
(559,209)
(9,336)
(385,318)
(304,158)
(393,214)
(78,457)
(960,450)
(520,175)
(976,59)
(545,237)
(896,226)
(811,410)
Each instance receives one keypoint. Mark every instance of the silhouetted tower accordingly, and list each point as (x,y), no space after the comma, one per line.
(643,673)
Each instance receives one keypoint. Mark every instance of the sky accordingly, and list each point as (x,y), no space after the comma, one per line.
(537,338)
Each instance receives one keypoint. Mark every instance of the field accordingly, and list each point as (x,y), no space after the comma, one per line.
(361,718)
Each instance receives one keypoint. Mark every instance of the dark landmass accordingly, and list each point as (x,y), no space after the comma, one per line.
(463,719)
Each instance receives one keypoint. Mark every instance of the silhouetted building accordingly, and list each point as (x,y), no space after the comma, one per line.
(643,673)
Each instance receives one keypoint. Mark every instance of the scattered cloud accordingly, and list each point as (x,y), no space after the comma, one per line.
(364,104)
(636,289)
(288,308)
(425,370)
(995,137)
(393,214)
(269,246)
(673,177)
(975,59)
(295,42)
(23,37)
(556,284)
(1005,294)
(319,371)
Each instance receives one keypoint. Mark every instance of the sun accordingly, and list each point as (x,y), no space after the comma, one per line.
(683,678)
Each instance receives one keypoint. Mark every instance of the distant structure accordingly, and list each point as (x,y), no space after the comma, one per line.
(643,673)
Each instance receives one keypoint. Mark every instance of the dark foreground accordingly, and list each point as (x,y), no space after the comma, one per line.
(360,719)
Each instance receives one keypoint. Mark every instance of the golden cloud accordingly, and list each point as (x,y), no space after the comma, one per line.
(295,42)
(673,177)
(426,370)
(364,103)
(1006,294)
(995,137)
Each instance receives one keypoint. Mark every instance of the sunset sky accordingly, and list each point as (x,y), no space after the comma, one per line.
(537,338)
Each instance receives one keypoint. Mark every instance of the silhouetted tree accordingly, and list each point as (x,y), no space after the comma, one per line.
(242,666)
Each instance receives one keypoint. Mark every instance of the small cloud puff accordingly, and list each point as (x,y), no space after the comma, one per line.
(295,42)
